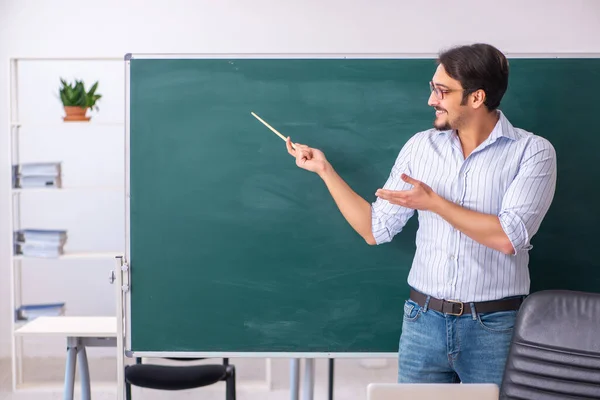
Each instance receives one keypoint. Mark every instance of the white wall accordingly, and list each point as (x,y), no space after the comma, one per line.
(114,27)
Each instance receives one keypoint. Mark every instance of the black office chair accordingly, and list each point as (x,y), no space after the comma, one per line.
(175,377)
(555,350)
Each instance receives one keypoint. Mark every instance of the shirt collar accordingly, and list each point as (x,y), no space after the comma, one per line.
(503,128)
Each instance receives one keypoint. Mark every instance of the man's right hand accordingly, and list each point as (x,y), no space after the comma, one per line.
(354,208)
(307,158)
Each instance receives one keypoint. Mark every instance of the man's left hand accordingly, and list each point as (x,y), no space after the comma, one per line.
(420,197)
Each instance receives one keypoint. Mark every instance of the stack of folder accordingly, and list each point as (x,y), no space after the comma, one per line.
(40,242)
(32,311)
(37,175)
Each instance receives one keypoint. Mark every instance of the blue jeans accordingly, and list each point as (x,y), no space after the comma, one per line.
(442,348)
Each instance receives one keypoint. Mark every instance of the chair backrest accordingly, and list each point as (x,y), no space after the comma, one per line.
(555,351)
(432,391)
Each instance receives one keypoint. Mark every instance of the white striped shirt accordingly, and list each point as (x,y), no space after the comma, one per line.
(512,174)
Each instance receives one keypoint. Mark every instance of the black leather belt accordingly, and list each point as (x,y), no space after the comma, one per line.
(458,308)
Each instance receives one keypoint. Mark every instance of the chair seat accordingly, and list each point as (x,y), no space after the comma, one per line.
(166,377)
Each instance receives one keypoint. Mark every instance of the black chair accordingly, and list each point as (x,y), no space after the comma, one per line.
(555,350)
(176,377)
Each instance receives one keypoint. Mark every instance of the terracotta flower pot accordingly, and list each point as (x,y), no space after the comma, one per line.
(75,114)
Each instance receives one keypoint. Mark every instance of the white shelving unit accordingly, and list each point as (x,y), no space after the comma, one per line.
(19,263)
(20,128)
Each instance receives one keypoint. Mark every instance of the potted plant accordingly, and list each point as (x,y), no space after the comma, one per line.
(76,100)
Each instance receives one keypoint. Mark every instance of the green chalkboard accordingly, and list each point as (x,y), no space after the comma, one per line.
(235,249)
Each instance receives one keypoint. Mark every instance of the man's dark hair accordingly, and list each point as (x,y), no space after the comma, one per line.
(478,66)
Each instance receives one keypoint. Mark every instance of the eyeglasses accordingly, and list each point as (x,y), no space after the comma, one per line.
(440,93)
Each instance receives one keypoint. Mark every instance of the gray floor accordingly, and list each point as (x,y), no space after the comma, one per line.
(351,379)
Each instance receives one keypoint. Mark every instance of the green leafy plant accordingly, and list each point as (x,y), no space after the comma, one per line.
(76,95)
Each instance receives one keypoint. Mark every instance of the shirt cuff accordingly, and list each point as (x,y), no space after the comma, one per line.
(516,231)
(380,231)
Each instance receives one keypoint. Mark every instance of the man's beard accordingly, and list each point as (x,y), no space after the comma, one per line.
(446,125)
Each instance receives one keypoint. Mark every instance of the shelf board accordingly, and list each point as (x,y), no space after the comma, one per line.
(19,324)
(69,123)
(71,189)
(75,255)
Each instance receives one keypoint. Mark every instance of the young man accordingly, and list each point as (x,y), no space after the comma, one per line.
(481,188)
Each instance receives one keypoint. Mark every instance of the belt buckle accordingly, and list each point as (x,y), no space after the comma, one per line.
(462,307)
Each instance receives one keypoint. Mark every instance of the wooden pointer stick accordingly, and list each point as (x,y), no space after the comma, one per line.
(271,128)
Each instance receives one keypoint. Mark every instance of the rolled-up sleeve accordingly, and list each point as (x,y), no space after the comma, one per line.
(388,219)
(529,196)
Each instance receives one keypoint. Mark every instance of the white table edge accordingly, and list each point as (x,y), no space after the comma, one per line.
(65,326)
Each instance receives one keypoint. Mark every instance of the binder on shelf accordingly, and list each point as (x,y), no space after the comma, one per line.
(45,243)
(37,175)
(40,169)
(26,182)
(29,312)
(15,176)
(49,236)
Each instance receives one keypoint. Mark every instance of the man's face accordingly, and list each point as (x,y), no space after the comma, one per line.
(446,99)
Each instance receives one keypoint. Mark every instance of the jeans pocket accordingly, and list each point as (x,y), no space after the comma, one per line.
(412,311)
(498,322)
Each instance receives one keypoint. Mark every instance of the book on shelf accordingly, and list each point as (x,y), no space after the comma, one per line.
(37,175)
(27,182)
(29,312)
(39,169)
(45,243)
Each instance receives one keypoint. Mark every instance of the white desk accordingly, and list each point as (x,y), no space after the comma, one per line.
(80,332)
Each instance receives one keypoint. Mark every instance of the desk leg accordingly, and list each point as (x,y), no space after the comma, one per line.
(70,368)
(294,378)
(84,373)
(308,385)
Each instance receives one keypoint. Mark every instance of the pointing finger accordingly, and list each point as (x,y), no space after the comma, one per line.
(288,145)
